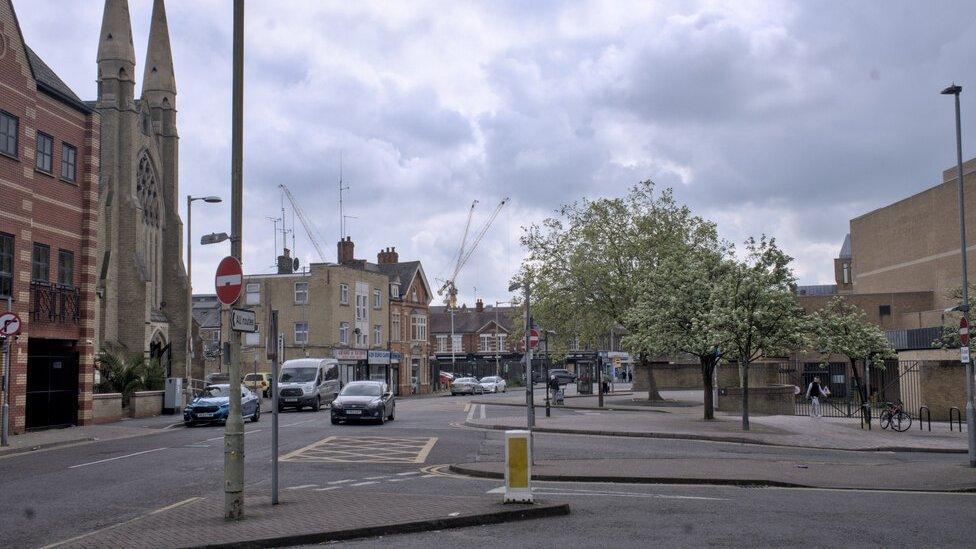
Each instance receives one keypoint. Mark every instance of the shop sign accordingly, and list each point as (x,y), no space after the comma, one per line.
(379,357)
(395,358)
(349,354)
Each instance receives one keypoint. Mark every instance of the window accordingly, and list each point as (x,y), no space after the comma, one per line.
(847,273)
(252,339)
(395,291)
(414,297)
(301,292)
(252,294)
(344,333)
(45,152)
(66,268)
(301,333)
(418,328)
(486,346)
(441,343)
(395,331)
(377,335)
(501,343)
(41,264)
(884,310)
(456,343)
(215,336)
(362,337)
(377,299)
(6,264)
(361,305)
(9,133)
(69,159)
(343,294)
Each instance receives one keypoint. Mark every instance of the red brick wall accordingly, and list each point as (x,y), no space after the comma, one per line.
(42,208)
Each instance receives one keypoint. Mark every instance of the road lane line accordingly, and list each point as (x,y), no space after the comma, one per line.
(408,473)
(221,437)
(341,481)
(471,412)
(624,495)
(114,526)
(467,406)
(374,478)
(301,486)
(116,457)
(483,413)
(327,488)
(364,483)
(422,454)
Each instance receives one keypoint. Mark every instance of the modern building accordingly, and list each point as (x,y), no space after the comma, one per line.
(475,341)
(49,145)
(142,283)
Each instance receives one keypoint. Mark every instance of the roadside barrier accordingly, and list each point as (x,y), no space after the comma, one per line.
(958,417)
(928,417)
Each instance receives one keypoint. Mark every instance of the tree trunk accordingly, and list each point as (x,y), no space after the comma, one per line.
(652,393)
(708,369)
(744,380)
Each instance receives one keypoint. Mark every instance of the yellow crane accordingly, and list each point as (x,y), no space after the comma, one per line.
(465,251)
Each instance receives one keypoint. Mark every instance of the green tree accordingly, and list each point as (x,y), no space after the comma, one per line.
(127,374)
(755,311)
(950,330)
(843,329)
(673,313)
(586,262)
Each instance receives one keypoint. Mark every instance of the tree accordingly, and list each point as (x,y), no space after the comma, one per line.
(842,328)
(950,329)
(673,313)
(585,263)
(128,374)
(754,309)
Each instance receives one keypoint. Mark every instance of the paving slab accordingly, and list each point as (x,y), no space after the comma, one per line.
(53,438)
(306,517)
(748,472)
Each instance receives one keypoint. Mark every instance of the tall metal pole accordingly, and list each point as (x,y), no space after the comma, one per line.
(5,419)
(453,365)
(234,433)
(546,381)
(189,292)
(530,386)
(970,418)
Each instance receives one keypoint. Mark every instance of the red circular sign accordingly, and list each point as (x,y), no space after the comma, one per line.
(533,338)
(229,280)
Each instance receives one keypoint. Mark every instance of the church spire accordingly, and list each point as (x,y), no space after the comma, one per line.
(115,41)
(159,81)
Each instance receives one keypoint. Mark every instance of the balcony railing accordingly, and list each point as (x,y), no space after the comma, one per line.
(53,304)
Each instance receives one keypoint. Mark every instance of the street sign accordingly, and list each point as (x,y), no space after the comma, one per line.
(964,354)
(229,280)
(963,331)
(9,324)
(243,320)
(533,338)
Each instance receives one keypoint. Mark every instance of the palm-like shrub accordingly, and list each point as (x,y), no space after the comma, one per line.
(128,374)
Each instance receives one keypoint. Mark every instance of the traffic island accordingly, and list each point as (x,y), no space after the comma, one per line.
(307,517)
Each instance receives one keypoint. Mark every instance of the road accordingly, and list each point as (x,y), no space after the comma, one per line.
(52,495)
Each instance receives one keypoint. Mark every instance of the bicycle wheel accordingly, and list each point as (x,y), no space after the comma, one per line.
(901,422)
(885,419)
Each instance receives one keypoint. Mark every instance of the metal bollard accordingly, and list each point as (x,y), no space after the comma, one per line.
(958,416)
(518,467)
(928,414)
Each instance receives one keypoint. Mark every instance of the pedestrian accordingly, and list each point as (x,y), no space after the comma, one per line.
(553,386)
(814,392)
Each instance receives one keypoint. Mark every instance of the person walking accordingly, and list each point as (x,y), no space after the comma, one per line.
(553,386)
(815,391)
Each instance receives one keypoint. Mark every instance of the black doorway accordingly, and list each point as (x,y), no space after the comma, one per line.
(52,383)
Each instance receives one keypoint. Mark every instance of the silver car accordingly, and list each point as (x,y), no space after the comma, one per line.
(466,386)
(493,384)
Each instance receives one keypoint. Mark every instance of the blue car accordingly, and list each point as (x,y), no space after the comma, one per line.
(213,405)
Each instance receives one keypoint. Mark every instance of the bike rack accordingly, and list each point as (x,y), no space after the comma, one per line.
(958,417)
(928,415)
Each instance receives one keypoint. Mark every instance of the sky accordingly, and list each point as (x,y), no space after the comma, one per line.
(779,118)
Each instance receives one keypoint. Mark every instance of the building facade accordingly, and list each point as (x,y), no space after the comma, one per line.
(142,282)
(476,342)
(49,170)
(206,316)
(410,297)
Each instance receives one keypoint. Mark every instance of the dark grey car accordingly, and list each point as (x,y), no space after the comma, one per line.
(364,401)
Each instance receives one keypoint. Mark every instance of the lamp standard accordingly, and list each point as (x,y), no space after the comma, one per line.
(955,90)
(498,353)
(189,278)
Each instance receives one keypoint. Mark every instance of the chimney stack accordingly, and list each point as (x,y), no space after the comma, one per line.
(388,255)
(479,306)
(346,251)
(285,263)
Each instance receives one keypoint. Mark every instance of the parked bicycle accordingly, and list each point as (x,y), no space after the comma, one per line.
(894,416)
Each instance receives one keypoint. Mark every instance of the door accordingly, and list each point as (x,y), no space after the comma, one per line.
(331,382)
(395,379)
(52,386)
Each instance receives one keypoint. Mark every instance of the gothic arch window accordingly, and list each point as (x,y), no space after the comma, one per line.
(147,191)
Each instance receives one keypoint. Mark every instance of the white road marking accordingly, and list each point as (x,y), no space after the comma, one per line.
(408,473)
(471,412)
(221,437)
(374,478)
(583,492)
(482,413)
(301,486)
(116,457)
(327,488)
(499,490)
(364,483)
(341,481)
(428,476)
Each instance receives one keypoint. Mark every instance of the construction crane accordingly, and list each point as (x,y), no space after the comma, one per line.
(313,234)
(465,251)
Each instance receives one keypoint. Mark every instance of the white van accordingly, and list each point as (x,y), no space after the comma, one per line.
(307,382)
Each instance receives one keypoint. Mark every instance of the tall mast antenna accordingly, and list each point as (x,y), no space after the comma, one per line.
(342,218)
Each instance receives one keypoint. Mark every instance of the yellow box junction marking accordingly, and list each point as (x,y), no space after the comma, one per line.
(338,449)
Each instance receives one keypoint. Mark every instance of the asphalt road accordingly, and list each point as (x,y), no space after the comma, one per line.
(51,495)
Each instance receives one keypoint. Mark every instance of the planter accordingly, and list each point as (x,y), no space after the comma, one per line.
(146,404)
(773,400)
(106,407)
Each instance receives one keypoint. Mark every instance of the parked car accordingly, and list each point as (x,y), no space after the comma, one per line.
(493,384)
(466,385)
(307,382)
(259,383)
(364,400)
(217,378)
(212,405)
(564,377)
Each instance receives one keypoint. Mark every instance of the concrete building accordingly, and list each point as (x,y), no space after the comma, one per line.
(49,143)
(142,282)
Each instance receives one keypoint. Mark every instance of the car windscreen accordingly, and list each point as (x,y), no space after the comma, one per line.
(361,390)
(487,380)
(298,375)
(253,377)
(214,392)
(466,380)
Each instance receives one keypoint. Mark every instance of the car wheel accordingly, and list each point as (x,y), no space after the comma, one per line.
(281,408)
(257,415)
(318,404)
(335,421)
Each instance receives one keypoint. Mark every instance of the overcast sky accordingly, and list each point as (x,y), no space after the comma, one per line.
(785,118)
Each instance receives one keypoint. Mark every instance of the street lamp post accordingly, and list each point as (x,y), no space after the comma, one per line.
(529,389)
(955,90)
(189,279)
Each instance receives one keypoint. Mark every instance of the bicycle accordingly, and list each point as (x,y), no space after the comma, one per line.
(892,415)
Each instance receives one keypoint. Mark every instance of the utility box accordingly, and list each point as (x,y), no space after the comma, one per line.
(518,467)
(173,395)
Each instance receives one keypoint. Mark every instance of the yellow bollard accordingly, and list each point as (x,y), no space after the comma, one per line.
(518,467)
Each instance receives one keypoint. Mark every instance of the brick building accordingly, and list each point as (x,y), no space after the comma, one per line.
(49,170)
(478,343)
(410,298)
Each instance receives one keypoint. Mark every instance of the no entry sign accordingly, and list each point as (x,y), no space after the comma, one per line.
(533,338)
(963,331)
(229,280)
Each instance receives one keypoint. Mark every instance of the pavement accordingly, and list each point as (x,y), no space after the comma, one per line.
(70,436)
(306,517)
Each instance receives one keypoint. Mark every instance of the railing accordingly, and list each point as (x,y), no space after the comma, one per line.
(958,414)
(928,416)
(53,304)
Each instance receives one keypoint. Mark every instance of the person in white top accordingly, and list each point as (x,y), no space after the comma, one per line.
(814,392)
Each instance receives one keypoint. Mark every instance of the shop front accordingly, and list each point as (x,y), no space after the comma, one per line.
(353,364)
(378,368)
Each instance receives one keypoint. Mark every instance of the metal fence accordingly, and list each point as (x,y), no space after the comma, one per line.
(898,381)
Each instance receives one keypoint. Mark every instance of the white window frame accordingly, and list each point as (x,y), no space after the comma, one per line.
(301,296)
(301,335)
(377,298)
(485,345)
(252,294)
(395,330)
(344,333)
(501,342)
(395,291)
(343,294)
(377,334)
(418,327)
(441,343)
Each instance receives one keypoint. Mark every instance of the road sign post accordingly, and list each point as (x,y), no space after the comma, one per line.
(9,328)
(271,349)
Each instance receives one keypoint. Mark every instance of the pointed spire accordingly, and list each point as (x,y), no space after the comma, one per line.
(159,75)
(115,41)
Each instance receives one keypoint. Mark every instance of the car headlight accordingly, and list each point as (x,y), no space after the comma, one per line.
(375,404)
(336,405)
